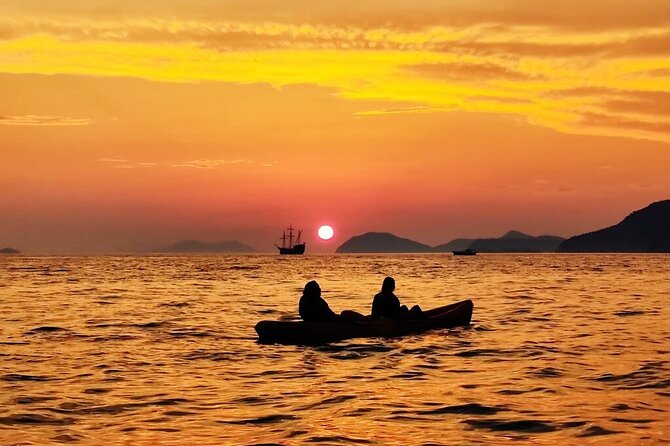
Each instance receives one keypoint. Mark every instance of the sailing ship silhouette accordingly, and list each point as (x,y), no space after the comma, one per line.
(291,248)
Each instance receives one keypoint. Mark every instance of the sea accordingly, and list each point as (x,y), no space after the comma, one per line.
(563,349)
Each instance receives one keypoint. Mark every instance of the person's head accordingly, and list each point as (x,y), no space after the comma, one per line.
(388,285)
(312,289)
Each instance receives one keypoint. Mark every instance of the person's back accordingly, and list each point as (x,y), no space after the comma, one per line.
(386,304)
(312,307)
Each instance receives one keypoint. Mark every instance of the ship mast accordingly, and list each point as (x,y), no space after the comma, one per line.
(283,239)
(290,236)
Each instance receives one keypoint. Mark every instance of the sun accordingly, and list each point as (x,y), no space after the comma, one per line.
(325,232)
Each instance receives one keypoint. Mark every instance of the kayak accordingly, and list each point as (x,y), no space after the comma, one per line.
(355,325)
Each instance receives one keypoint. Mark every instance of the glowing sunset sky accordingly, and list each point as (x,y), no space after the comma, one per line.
(132,124)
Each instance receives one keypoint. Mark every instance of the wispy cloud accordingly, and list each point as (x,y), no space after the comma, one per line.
(115,159)
(466,71)
(204,163)
(120,162)
(397,111)
(640,126)
(44,120)
(489,37)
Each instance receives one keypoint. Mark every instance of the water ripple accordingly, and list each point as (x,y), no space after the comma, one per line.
(563,349)
(469,409)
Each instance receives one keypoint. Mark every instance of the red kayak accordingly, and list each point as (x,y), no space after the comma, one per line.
(355,325)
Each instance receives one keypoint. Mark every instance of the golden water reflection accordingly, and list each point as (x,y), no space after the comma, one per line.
(564,349)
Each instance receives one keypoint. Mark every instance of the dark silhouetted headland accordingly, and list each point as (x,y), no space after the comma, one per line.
(645,230)
(195,246)
(9,251)
(381,242)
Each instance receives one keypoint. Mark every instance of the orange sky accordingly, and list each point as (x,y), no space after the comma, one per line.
(126,126)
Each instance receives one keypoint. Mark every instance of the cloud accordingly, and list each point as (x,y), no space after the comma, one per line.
(474,71)
(204,163)
(479,37)
(570,14)
(43,120)
(116,159)
(549,73)
(120,162)
(396,111)
(579,92)
(660,72)
(656,103)
(502,100)
(638,125)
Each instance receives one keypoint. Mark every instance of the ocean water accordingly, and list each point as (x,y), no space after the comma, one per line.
(563,350)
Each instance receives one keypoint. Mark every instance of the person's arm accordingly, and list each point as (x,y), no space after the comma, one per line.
(325,312)
(376,306)
(302,310)
(394,305)
(331,314)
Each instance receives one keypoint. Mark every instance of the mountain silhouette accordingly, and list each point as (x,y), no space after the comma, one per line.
(381,242)
(458,244)
(515,241)
(195,246)
(512,241)
(9,251)
(515,235)
(645,230)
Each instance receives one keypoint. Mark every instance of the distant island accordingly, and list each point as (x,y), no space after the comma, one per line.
(458,244)
(645,230)
(195,246)
(9,251)
(512,241)
(381,242)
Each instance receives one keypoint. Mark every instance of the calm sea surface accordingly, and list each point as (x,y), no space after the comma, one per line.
(563,350)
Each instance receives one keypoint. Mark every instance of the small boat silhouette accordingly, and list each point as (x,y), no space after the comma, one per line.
(465,252)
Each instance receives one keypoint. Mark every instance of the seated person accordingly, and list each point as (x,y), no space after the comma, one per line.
(386,304)
(312,307)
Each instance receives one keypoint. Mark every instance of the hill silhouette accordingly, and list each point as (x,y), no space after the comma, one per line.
(645,230)
(458,244)
(515,241)
(195,246)
(9,251)
(512,241)
(381,242)
(515,235)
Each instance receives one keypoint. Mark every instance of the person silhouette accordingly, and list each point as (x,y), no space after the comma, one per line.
(312,307)
(386,304)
